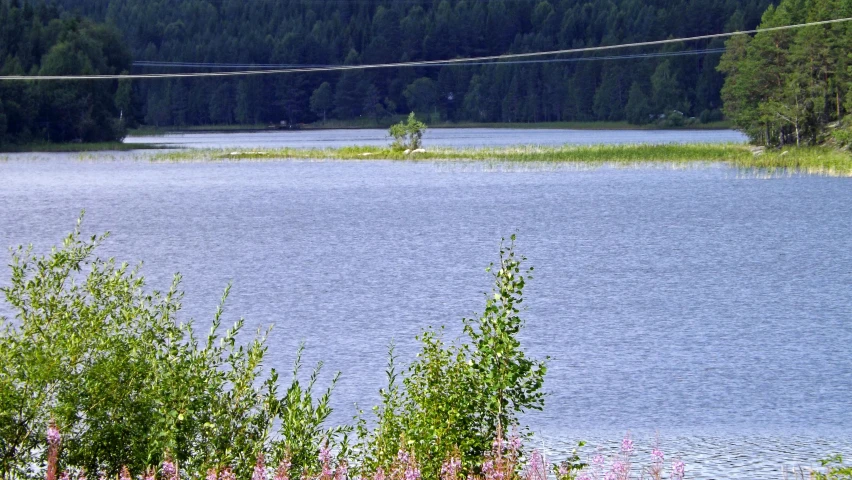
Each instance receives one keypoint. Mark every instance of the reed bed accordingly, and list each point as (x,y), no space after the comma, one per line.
(811,160)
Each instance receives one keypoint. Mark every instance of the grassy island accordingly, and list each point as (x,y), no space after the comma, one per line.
(813,160)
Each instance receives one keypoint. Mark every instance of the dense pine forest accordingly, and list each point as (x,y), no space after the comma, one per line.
(779,87)
(36,39)
(793,86)
(376,31)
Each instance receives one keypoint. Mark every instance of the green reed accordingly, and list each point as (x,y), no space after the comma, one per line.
(814,160)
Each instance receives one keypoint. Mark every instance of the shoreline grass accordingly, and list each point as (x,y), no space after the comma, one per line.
(811,160)
(77,147)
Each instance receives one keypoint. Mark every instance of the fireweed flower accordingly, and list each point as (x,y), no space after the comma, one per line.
(259,469)
(657,455)
(563,470)
(403,457)
(169,470)
(491,471)
(283,471)
(124,475)
(412,473)
(678,469)
(325,460)
(380,474)
(227,474)
(81,475)
(341,471)
(67,476)
(598,460)
(536,469)
(514,443)
(450,469)
(212,474)
(627,444)
(53,435)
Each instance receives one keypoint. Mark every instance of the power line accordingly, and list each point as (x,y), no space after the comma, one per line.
(706,51)
(455,61)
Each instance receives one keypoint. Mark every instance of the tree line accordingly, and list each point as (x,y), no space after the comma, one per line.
(37,39)
(379,31)
(792,86)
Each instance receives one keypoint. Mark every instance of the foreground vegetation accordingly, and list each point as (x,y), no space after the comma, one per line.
(814,160)
(122,385)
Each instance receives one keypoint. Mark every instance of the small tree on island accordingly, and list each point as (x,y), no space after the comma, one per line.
(407,135)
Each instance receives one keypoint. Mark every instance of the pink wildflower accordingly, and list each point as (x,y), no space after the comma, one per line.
(627,444)
(169,470)
(491,471)
(536,469)
(657,455)
(212,474)
(283,471)
(53,435)
(227,474)
(124,475)
(380,474)
(450,469)
(53,440)
(341,471)
(598,460)
(412,473)
(325,460)
(65,475)
(81,475)
(259,469)
(678,469)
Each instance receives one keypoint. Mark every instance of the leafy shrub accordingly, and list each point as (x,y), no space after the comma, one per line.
(456,398)
(407,135)
(92,350)
(836,470)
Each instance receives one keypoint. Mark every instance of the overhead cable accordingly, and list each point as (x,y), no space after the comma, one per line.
(423,63)
(156,64)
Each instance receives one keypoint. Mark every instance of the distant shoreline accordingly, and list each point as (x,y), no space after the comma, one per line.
(367,125)
(76,147)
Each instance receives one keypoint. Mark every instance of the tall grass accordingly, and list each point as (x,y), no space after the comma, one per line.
(814,160)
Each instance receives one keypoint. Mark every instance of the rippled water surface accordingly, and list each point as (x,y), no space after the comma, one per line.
(450,137)
(710,305)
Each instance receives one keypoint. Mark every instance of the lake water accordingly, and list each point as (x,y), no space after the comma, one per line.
(447,137)
(706,304)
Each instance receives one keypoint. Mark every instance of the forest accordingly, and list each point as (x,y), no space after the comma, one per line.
(792,86)
(322,32)
(37,39)
(779,87)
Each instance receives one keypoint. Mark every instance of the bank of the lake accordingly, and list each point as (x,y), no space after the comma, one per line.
(812,160)
(45,147)
(387,122)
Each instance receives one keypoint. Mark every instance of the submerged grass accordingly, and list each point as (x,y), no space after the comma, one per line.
(815,160)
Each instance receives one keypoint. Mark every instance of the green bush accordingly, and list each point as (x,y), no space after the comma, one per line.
(454,399)
(127,384)
(407,135)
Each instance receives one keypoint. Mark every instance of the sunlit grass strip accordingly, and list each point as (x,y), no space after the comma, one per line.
(806,160)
